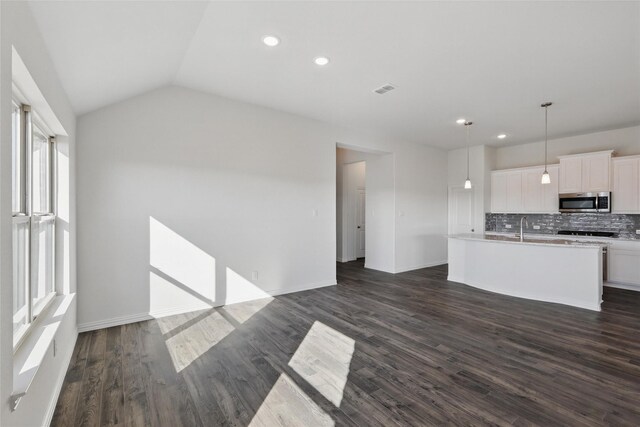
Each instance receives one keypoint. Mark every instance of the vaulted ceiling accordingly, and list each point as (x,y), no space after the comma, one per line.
(490,62)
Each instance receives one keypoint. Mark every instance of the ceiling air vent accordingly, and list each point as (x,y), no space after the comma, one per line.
(384,89)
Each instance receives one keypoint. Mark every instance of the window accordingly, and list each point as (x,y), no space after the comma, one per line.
(33,220)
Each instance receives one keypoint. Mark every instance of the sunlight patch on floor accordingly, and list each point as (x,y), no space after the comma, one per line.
(323,359)
(243,311)
(287,405)
(192,335)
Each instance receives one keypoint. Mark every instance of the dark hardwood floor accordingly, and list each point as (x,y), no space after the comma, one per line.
(418,350)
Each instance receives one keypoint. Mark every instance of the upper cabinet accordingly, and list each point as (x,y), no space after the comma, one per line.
(582,173)
(570,175)
(626,185)
(520,191)
(506,191)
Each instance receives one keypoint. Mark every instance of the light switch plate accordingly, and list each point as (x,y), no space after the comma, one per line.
(254,275)
(508,225)
(536,227)
(637,231)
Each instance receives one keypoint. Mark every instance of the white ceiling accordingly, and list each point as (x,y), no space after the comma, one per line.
(490,62)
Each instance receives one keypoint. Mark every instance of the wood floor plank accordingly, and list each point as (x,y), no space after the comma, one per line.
(90,403)
(426,352)
(112,413)
(135,406)
(67,404)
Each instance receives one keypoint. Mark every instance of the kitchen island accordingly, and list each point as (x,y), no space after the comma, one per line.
(559,271)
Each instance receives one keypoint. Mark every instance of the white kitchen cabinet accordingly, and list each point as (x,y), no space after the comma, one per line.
(582,173)
(626,185)
(520,191)
(624,262)
(596,173)
(570,175)
(532,191)
(506,191)
(514,191)
(498,192)
(550,192)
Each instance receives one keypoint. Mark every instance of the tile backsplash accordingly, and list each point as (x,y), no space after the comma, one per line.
(624,226)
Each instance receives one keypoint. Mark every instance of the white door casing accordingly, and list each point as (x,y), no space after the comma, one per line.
(360,222)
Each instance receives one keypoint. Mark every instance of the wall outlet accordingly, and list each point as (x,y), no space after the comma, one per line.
(254,275)
(536,227)
(637,231)
(508,225)
(315,212)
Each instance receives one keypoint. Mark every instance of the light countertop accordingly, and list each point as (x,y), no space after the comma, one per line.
(530,240)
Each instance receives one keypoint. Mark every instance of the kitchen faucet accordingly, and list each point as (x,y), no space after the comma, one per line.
(523,220)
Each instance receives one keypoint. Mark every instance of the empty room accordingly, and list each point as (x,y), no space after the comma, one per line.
(319,213)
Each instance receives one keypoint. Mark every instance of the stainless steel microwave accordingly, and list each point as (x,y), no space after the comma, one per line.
(585,202)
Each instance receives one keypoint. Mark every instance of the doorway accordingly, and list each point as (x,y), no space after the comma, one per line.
(351,204)
(354,195)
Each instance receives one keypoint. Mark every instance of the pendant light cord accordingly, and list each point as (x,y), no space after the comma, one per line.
(546,106)
(467,129)
(546,109)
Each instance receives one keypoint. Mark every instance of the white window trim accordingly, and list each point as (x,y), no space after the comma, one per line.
(40,309)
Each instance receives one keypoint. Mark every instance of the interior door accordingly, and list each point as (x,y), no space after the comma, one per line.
(360,223)
(461,211)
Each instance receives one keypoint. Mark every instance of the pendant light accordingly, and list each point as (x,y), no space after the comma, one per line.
(467,183)
(546,179)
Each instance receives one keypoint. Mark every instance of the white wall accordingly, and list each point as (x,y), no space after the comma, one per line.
(18,29)
(380,213)
(236,186)
(185,195)
(420,207)
(406,205)
(625,142)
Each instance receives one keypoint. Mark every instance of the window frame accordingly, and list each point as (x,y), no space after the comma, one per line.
(28,121)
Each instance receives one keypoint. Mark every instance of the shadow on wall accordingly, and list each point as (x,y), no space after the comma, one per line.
(183,275)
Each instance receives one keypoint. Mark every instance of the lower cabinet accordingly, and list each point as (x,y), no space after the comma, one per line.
(624,263)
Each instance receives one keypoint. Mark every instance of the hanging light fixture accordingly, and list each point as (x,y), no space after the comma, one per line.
(546,179)
(467,183)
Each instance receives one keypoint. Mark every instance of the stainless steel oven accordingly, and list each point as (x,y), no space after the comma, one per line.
(585,202)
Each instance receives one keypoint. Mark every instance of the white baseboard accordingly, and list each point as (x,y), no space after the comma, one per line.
(171,311)
(345,259)
(285,290)
(419,266)
(622,286)
(114,321)
(369,266)
(58,386)
(133,318)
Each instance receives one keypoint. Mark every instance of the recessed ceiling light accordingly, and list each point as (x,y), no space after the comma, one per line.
(502,136)
(321,60)
(271,41)
(461,121)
